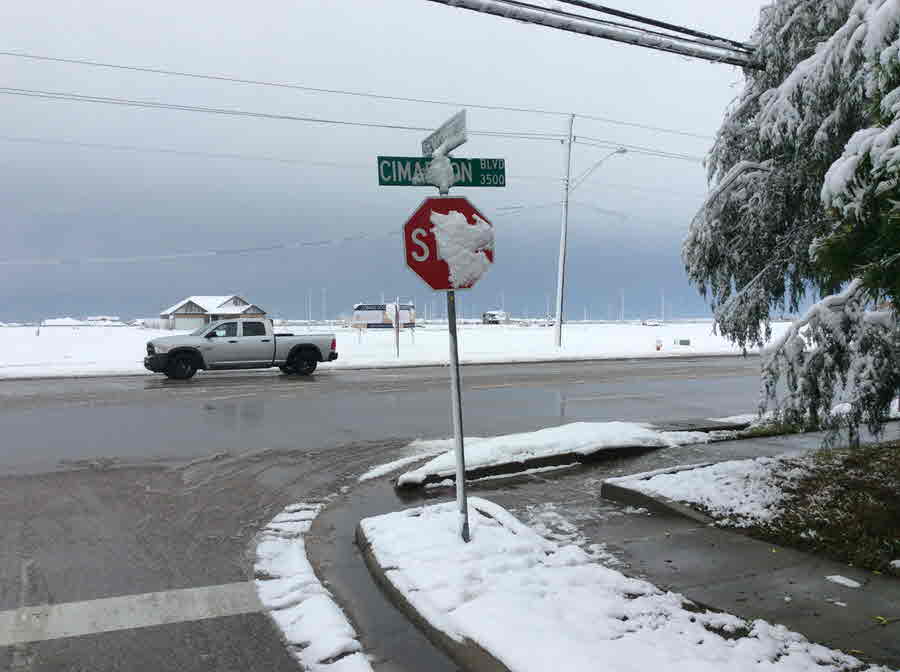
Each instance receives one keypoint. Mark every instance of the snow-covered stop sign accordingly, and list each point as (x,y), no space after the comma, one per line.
(448,243)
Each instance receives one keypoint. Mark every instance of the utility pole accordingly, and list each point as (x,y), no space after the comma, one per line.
(563,235)
(623,304)
(570,186)
(324,305)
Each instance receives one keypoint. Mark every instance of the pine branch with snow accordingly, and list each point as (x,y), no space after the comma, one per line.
(805,199)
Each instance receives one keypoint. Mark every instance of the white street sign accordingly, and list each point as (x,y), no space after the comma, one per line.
(453,132)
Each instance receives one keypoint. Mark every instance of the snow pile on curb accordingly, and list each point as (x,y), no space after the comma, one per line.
(738,493)
(578,438)
(418,450)
(318,633)
(536,606)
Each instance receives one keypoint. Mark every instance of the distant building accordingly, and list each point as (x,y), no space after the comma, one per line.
(495,317)
(381,316)
(195,311)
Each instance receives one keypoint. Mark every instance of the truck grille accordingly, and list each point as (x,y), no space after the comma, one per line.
(150,349)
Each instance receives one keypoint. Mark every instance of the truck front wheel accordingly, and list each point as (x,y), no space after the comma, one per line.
(181,367)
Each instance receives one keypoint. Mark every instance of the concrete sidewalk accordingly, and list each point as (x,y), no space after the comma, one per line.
(715,568)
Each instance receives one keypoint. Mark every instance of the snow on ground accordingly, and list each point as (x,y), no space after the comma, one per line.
(739,493)
(82,350)
(536,605)
(317,632)
(579,438)
(844,581)
(738,419)
(74,351)
(418,450)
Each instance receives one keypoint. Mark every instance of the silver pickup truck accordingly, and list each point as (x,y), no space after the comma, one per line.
(238,344)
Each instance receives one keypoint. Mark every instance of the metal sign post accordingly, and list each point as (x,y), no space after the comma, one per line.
(456,400)
(462,503)
(423,257)
(397,328)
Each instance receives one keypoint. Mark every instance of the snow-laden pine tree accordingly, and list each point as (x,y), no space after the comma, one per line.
(805,197)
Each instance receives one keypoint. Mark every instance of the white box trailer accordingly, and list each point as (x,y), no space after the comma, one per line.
(381,316)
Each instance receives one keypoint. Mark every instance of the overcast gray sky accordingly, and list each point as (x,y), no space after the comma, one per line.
(75,202)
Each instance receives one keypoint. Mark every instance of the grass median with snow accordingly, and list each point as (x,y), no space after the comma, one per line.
(846,505)
(841,502)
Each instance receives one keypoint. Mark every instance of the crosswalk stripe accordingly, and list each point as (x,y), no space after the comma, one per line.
(74,619)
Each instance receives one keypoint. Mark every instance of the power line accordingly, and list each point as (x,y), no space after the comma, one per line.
(636,149)
(280,85)
(179,256)
(180,152)
(149,104)
(741,46)
(274,159)
(345,92)
(718,52)
(646,127)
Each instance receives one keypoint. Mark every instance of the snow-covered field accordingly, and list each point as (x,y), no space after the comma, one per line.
(73,351)
(80,351)
(536,605)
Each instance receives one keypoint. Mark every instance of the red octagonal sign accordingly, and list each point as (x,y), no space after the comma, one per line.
(448,243)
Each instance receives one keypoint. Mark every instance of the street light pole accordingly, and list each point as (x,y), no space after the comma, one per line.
(564,232)
(568,187)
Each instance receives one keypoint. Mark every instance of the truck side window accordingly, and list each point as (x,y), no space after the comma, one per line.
(254,329)
(227,330)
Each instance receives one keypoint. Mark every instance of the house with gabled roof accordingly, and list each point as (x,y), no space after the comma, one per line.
(195,311)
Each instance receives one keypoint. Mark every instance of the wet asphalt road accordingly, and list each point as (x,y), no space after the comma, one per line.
(133,485)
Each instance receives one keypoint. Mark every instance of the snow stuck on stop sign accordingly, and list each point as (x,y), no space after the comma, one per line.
(463,245)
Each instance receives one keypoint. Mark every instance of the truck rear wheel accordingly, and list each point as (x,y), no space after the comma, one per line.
(181,367)
(303,363)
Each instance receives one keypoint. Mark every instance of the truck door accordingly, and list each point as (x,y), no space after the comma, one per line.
(256,346)
(223,349)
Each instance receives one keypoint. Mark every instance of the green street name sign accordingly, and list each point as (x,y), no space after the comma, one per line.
(410,171)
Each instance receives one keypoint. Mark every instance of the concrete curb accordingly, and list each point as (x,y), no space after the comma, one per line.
(414,365)
(615,489)
(567,459)
(514,468)
(467,654)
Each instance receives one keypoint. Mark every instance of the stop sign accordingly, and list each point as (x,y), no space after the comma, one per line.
(448,243)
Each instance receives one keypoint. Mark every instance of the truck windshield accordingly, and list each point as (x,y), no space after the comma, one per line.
(198,332)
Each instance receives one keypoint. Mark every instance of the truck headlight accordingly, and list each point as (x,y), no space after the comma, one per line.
(160,349)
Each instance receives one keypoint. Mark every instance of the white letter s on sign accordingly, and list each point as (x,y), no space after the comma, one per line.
(417,236)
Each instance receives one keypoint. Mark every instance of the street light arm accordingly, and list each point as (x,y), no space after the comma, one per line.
(586,174)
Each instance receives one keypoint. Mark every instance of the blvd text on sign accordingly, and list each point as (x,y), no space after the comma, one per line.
(411,171)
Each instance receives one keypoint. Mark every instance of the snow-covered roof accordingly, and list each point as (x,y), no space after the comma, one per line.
(207,303)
